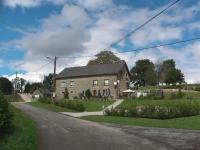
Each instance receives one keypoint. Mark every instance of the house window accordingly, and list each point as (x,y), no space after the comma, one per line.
(94,92)
(95,82)
(106,82)
(106,92)
(63,84)
(72,83)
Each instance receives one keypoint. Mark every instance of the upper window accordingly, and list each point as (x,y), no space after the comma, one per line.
(95,82)
(106,82)
(72,83)
(63,84)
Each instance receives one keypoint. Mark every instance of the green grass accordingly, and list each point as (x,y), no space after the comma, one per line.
(50,107)
(179,123)
(95,105)
(23,136)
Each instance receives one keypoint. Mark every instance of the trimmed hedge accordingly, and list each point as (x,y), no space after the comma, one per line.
(173,109)
(6,116)
(70,104)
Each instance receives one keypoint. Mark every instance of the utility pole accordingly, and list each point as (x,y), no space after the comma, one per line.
(16,83)
(54,77)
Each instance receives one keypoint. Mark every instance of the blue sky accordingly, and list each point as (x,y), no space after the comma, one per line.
(31,30)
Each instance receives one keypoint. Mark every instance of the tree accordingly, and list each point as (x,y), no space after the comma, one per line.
(174,76)
(22,84)
(169,74)
(88,94)
(104,57)
(35,86)
(143,73)
(48,81)
(6,86)
(66,94)
(27,88)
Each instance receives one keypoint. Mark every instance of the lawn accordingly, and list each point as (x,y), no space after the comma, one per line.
(95,105)
(50,107)
(23,136)
(179,123)
(90,105)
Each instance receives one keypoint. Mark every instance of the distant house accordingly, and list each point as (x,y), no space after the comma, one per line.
(41,93)
(107,80)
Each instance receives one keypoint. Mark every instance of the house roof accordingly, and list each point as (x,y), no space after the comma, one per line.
(92,70)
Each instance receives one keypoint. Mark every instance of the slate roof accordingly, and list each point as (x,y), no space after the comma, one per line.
(92,70)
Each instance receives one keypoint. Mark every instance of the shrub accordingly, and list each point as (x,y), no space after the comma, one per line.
(6,116)
(45,100)
(88,94)
(159,110)
(71,104)
(66,94)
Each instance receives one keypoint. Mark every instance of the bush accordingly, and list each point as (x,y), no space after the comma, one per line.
(45,100)
(88,94)
(66,94)
(71,104)
(6,116)
(159,110)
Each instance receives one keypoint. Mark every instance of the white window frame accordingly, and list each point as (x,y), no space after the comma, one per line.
(95,82)
(63,84)
(72,83)
(106,83)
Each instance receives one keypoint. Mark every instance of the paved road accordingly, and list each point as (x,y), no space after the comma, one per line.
(60,132)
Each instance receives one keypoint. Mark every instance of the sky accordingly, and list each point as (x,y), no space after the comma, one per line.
(32,30)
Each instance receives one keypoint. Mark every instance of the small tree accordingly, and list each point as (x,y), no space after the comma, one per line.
(5,115)
(6,86)
(88,94)
(66,94)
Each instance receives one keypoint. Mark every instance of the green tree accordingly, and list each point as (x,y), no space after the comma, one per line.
(6,86)
(104,57)
(143,73)
(88,94)
(27,88)
(66,94)
(48,81)
(169,74)
(5,115)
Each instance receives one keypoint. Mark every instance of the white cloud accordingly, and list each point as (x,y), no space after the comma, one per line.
(22,3)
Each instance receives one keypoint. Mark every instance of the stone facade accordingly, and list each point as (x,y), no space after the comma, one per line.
(105,84)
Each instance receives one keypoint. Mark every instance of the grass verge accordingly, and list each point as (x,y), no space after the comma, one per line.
(179,123)
(23,136)
(50,107)
(95,105)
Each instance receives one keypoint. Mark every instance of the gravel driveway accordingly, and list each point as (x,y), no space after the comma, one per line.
(60,132)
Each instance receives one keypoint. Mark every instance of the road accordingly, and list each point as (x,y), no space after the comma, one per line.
(60,132)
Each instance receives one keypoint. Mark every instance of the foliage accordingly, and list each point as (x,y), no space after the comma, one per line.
(27,88)
(6,86)
(88,94)
(143,73)
(35,86)
(23,135)
(160,109)
(71,104)
(48,81)
(104,57)
(6,116)
(66,94)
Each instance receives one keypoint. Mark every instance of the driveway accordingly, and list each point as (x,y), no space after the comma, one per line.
(60,132)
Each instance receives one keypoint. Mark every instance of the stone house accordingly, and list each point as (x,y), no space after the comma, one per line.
(107,80)
(41,93)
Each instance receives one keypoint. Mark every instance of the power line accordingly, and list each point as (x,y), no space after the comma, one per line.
(145,48)
(41,67)
(142,25)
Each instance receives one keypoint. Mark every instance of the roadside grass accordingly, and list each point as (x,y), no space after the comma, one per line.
(50,107)
(178,123)
(23,136)
(95,105)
